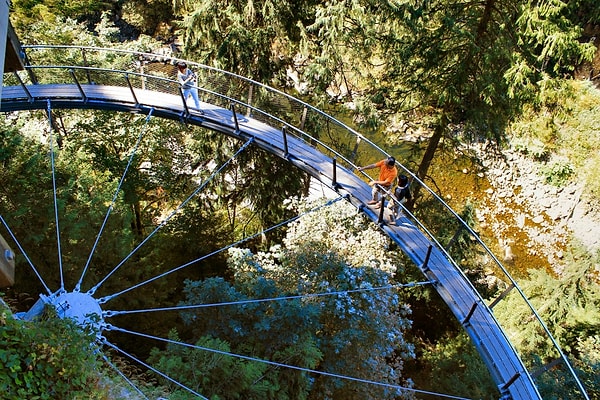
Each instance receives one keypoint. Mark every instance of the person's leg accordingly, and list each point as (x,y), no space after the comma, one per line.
(379,195)
(186,94)
(374,195)
(194,93)
(393,206)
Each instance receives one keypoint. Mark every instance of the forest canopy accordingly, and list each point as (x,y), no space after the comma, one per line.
(497,72)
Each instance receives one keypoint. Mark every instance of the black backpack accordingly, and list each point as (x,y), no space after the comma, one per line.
(402,191)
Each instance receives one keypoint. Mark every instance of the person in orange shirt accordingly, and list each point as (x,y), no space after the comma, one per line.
(387,175)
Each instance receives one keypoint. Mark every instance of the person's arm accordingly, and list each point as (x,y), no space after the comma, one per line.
(384,183)
(370,166)
(186,78)
(389,181)
(191,76)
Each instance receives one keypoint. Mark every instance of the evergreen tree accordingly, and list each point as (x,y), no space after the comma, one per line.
(453,62)
(569,306)
(256,39)
(360,334)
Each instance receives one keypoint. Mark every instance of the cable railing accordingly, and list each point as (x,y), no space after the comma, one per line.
(133,71)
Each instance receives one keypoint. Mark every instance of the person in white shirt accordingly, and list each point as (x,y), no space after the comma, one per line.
(187,79)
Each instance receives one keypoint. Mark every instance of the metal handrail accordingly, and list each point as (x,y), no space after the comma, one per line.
(301,133)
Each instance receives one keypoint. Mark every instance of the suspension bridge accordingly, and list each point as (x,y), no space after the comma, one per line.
(72,77)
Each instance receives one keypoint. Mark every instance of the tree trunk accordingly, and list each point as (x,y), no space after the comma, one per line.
(138,225)
(485,20)
(427,159)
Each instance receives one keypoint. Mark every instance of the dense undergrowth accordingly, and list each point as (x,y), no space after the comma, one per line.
(563,136)
(49,358)
(561,133)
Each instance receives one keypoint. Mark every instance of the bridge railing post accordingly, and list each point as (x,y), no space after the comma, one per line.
(285,142)
(334,183)
(425,266)
(85,63)
(381,210)
(504,388)
(141,63)
(303,117)
(83,96)
(546,367)
(185,106)
(235,119)
(137,103)
(502,296)
(467,318)
(250,99)
(27,92)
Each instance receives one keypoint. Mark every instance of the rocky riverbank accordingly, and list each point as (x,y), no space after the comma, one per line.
(530,219)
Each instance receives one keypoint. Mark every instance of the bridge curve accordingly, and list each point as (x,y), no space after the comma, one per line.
(329,159)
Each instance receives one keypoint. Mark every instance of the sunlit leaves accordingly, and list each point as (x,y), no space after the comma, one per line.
(48,359)
(550,35)
(569,306)
(360,332)
(255,39)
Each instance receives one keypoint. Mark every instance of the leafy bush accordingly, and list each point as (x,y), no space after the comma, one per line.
(566,129)
(592,179)
(47,359)
(569,304)
(532,147)
(360,334)
(456,367)
(215,375)
(558,173)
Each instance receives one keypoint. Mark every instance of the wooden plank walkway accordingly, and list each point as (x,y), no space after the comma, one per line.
(505,366)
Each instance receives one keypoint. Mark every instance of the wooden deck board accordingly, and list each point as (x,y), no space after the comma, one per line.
(453,287)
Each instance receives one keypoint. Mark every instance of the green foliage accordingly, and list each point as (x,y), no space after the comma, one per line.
(471,64)
(168,164)
(453,366)
(357,334)
(259,173)
(532,147)
(592,179)
(563,133)
(341,230)
(26,12)
(67,31)
(147,15)
(558,172)
(47,359)
(276,330)
(588,364)
(81,197)
(212,374)
(551,34)
(255,39)
(360,334)
(557,383)
(569,305)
